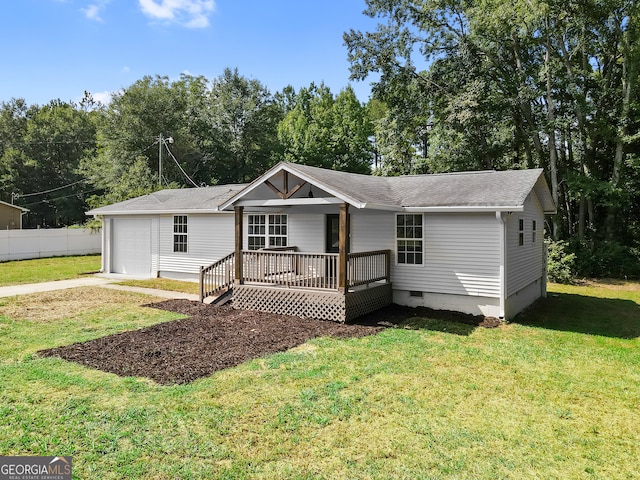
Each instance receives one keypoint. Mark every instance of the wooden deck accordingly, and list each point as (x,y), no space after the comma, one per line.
(304,284)
(318,303)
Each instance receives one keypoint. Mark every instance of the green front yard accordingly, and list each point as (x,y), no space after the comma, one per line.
(47,269)
(554,395)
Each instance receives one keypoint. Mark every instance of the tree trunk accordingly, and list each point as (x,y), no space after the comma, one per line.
(525,107)
(551,120)
(581,217)
(629,75)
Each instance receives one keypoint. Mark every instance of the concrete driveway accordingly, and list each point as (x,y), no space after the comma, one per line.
(90,281)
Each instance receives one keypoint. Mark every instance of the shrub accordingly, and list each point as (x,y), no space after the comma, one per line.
(560,264)
(606,259)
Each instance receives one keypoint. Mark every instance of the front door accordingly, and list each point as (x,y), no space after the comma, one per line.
(332,239)
(332,244)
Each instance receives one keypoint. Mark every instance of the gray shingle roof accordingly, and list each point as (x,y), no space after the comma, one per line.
(465,189)
(448,190)
(204,199)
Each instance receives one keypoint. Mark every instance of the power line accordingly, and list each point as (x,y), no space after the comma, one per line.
(181,169)
(49,142)
(60,198)
(21,195)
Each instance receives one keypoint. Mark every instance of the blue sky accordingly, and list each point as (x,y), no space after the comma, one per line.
(60,48)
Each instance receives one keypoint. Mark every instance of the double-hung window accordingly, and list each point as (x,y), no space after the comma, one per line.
(277,230)
(409,239)
(267,231)
(520,232)
(534,231)
(256,233)
(180,233)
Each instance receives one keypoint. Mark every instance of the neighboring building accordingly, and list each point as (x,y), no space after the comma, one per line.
(470,242)
(11,216)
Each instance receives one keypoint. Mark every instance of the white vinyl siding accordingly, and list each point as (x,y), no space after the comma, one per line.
(461,252)
(211,237)
(371,232)
(306,231)
(525,263)
(462,257)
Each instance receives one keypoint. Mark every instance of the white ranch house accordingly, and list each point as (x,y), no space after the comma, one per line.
(327,244)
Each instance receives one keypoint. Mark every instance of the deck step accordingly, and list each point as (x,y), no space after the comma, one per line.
(222,299)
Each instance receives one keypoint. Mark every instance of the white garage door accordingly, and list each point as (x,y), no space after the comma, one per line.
(131,247)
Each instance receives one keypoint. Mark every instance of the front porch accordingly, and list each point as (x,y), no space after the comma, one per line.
(334,285)
(313,285)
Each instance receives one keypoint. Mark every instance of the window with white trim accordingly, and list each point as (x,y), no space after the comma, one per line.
(277,230)
(409,240)
(257,231)
(533,231)
(180,233)
(521,231)
(267,231)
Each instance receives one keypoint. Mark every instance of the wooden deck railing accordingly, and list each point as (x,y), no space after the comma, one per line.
(291,269)
(217,277)
(287,267)
(368,267)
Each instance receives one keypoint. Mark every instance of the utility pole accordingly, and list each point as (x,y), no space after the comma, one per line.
(160,145)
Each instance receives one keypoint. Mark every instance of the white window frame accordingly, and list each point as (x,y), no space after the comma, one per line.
(180,234)
(267,230)
(534,231)
(413,238)
(256,231)
(520,232)
(277,230)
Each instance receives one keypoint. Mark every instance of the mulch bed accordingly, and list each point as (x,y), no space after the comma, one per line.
(214,338)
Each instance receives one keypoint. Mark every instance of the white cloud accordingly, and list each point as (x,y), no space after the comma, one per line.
(103,97)
(94,10)
(189,13)
(125,69)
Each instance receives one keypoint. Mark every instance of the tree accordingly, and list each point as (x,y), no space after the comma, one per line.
(327,132)
(237,120)
(510,85)
(129,136)
(42,150)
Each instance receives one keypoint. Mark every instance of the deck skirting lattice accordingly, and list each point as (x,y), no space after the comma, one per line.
(311,303)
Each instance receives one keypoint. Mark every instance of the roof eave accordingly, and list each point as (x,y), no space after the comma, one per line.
(175,211)
(465,209)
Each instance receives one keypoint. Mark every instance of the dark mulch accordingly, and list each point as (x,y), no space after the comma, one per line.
(214,338)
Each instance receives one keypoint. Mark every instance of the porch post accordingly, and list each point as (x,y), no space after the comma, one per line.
(239,211)
(343,248)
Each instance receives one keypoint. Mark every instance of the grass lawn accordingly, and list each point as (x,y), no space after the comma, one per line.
(555,394)
(164,284)
(47,269)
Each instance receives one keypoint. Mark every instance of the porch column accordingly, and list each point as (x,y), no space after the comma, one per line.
(239,213)
(343,248)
